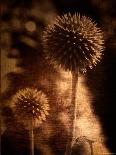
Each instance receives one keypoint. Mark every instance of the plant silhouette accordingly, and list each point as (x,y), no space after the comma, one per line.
(75,43)
(30,105)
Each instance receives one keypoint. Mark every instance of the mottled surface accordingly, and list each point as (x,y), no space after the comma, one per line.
(23,65)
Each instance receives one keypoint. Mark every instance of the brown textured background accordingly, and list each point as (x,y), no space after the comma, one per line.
(23,65)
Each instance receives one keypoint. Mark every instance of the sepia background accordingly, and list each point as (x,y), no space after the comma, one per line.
(23,65)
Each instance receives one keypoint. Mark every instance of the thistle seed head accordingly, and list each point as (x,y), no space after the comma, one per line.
(74,42)
(30,103)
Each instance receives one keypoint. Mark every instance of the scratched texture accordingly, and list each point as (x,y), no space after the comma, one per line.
(23,65)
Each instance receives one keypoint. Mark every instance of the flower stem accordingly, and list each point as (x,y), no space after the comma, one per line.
(91,147)
(31,138)
(72,132)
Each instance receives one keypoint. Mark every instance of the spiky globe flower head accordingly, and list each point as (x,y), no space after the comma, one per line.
(30,103)
(74,42)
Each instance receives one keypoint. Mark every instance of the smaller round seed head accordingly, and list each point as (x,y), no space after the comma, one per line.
(30,103)
(84,139)
(73,42)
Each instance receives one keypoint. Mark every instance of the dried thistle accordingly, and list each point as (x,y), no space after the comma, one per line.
(30,103)
(74,42)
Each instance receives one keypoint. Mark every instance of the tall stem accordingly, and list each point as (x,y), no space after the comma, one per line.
(31,138)
(72,133)
(74,103)
(91,147)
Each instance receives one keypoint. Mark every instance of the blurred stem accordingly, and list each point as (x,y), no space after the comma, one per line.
(72,132)
(91,147)
(31,138)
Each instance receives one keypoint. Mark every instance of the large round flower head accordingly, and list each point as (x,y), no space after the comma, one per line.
(74,42)
(30,104)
